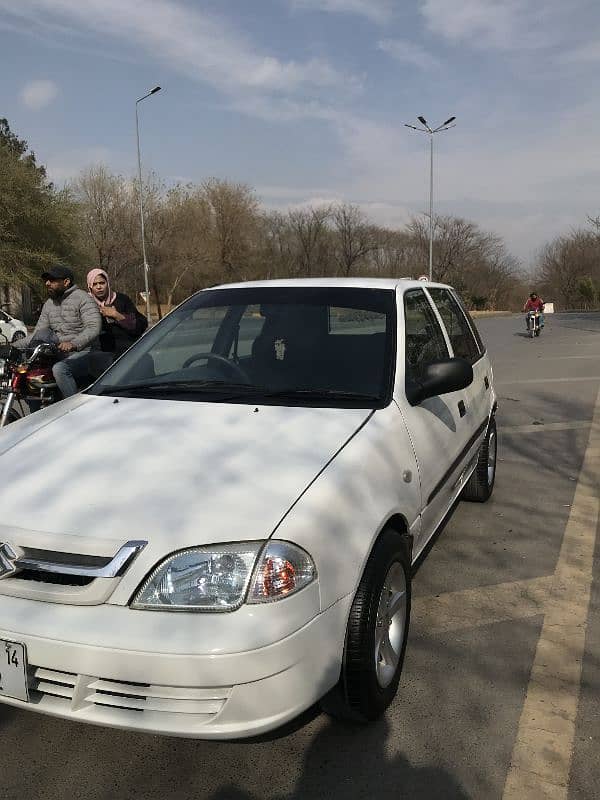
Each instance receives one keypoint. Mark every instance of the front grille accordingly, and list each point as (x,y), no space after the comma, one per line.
(51,683)
(56,578)
(68,559)
(38,574)
(58,568)
(80,692)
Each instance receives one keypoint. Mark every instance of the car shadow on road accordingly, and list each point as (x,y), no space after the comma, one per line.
(6,715)
(353,762)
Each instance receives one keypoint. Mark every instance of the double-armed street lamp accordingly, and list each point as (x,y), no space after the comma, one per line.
(430,132)
(137,133)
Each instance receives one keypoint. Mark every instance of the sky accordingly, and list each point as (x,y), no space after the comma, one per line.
(307,101)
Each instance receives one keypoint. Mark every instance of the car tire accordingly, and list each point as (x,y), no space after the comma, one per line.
(376,634)
(480,485)
(18,335)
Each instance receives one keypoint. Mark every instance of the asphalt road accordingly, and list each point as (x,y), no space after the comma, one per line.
(500,696)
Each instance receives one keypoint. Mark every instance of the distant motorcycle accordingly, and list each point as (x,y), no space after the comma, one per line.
(26,380)
(534,323)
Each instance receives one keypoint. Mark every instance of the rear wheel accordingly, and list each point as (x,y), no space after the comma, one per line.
(480,485)
(376,634)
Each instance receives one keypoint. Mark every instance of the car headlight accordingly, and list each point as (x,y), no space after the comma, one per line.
(222,577)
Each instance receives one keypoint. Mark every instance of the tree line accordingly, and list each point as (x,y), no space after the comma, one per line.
(569,268)
(217,231)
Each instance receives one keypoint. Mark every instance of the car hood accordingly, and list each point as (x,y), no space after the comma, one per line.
(175,473)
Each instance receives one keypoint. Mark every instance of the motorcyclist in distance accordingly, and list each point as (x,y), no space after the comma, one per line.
(535,303)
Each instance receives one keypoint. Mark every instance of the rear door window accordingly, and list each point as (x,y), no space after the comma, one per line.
(424,340)
(464,344)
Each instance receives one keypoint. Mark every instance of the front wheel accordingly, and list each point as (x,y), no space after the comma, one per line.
(376,634)
(480,485)
(8,411)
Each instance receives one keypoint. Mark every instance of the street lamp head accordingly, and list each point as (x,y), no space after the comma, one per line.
(422,120)
(448,121)
(157,89)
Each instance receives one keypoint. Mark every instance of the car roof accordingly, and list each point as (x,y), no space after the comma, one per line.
(358,283)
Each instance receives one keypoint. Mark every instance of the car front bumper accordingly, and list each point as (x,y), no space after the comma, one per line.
(203,693)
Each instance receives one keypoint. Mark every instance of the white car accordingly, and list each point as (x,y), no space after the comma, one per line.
(11,328)
(221,531)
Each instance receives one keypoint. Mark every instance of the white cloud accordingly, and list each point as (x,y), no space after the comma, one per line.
(63,167)
(409,53)
(505,25)
(376,10)
(587,53)
(36,95)
(527,186)
(199,45)
(289,194)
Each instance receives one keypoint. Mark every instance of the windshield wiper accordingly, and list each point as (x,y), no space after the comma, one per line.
(173,387)
(317,394)
(234,391)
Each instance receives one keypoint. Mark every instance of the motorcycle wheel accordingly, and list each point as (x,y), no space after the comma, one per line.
(13,416)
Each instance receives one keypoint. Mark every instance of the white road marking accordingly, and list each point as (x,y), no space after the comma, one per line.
(546,426)
(483,605)
(548,380)
(543,749)
(545,358)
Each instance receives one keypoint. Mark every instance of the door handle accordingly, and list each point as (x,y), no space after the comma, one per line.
(461,408)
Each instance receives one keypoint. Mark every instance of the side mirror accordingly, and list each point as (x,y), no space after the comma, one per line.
(439,377)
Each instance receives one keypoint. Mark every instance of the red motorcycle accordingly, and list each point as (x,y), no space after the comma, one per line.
(26,380)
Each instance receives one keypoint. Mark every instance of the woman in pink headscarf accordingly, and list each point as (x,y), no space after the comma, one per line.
(122,323)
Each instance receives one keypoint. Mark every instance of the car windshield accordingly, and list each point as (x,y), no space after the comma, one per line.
(278,345)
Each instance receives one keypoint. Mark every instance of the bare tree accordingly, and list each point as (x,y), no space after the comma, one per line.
(569,269)
(278,253)
(354,237)
(309,228)
(396,254)
(217,232)
(234,213)
(187,262)
(106,216)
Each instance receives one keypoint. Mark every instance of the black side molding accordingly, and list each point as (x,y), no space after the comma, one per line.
(448,474)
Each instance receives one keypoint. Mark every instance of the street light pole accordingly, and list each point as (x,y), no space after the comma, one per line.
(137,133)
(430,207)
(430,132)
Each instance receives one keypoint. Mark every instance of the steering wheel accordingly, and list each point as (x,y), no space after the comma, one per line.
(238,373)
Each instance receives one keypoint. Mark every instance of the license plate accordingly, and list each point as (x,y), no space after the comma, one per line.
(13,670)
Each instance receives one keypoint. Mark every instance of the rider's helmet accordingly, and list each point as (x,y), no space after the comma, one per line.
(533,295)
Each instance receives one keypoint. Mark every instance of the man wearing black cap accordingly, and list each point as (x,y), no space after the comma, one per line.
(74,322)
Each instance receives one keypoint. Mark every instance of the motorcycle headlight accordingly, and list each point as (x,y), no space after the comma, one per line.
(222,577)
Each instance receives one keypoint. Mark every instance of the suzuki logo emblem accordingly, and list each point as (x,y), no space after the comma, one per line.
(8,558)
